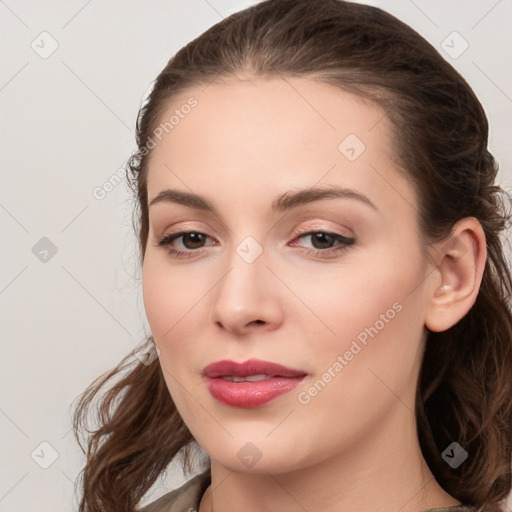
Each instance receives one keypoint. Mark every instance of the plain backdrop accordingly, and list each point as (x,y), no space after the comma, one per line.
(72,79)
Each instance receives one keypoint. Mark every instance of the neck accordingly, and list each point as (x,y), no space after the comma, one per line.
(383,470)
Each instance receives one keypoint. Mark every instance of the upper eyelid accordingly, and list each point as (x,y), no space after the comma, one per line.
(301,231)
(190,225)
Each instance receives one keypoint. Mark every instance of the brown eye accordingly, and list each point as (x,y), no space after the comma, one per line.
(325,242)
(322,240)
(191,241)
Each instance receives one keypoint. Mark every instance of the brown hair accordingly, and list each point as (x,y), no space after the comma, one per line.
(465,385)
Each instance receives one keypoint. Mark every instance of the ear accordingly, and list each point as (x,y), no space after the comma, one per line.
(457,275)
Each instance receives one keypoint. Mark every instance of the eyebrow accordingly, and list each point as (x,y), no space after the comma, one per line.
(286,201)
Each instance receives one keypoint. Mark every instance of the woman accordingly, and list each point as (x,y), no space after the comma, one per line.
(323,276)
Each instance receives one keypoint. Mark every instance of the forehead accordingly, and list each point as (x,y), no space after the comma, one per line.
(270,135)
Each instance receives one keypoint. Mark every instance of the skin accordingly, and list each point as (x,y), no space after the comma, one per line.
(354,445)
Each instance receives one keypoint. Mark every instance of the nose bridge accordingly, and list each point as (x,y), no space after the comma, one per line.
(246,294)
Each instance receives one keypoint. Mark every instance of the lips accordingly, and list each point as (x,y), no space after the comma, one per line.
(249,368)
(249,384)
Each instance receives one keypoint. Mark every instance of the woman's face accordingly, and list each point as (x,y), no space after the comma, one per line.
(330,286)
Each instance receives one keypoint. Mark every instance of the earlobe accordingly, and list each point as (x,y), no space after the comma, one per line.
(455,281)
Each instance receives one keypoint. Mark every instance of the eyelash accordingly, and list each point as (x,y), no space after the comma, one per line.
(344,243)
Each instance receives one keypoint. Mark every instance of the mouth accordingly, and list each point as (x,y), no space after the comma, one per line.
(250,384)
(253,370)
(249,378)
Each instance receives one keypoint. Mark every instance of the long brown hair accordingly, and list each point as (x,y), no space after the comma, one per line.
(464,390)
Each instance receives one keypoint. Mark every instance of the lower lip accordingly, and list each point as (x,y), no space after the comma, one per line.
(250,394)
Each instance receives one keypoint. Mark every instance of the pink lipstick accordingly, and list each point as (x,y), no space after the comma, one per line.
(249,384)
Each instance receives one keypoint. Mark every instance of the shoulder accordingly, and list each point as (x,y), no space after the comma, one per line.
(184,499)
(456,508)
(466,508)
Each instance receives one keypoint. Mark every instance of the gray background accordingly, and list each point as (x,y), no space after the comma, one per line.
(67,126)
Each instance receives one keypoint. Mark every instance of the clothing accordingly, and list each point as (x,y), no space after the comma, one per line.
(187,498)
(184,499)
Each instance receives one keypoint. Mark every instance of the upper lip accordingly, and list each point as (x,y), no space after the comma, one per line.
(227,368)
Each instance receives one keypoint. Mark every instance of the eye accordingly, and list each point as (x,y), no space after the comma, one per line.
(324,242)
(192,240)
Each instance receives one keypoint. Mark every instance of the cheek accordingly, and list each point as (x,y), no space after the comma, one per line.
(369,366)
(168,301)
(378,324)
(351,300)
(170,295)
(373,345)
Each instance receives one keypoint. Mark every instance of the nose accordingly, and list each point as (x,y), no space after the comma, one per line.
(247,297)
